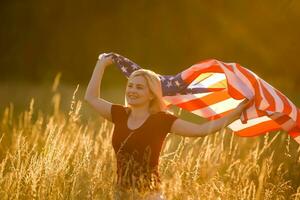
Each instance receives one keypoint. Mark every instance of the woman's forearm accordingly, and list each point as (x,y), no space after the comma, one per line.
(215,125)
(94,86)
(189,129)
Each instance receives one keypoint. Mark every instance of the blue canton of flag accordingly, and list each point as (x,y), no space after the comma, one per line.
(171,84)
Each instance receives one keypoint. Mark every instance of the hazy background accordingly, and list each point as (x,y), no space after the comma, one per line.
(42,38)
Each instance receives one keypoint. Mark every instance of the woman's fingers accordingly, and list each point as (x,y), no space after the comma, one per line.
(102,56)
(106,58)
(244,104)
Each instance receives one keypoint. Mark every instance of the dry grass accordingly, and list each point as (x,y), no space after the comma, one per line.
(61,156)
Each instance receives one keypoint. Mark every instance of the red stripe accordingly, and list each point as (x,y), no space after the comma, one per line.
(261,113)
(258,129)
(234,92)
(190,74)
(258,98)
(205,101)
(228,66)
(298,117)
(295,132)
(217,116)
(212,65)
(287,109)
(231,89)
(191,77)
(269,98)
(282,119)
(194,71)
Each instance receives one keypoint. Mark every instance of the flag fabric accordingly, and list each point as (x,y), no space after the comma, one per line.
(212,89)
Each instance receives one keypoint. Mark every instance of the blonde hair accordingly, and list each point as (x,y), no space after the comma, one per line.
(157,104)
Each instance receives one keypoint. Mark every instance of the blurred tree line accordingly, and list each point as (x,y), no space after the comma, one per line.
(41,38)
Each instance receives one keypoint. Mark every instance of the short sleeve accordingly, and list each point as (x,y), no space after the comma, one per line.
(117,113)
(168,120)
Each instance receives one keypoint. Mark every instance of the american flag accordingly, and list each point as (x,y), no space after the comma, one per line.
(212,88)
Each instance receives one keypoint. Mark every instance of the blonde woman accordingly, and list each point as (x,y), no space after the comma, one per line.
(140,127)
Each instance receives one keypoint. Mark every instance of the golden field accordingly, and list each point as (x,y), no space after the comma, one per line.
(64,155)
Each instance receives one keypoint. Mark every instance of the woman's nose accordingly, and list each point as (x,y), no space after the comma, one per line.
(132,90)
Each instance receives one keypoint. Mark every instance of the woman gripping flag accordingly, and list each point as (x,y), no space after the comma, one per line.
(141,125)
(212,89)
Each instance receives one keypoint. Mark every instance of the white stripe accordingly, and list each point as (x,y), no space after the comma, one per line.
(280,107)
(251,112)
(278,102)
(177,99)
(206,83)
(244,79)
(217,108)
(238,125)
(263,102)
(293,114)
(242,84)
(236,82)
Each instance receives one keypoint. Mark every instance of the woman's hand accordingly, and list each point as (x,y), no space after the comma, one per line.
(244,104)
(105,59)
(241,107)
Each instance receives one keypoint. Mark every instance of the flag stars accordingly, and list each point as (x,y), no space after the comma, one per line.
(119,62)
(169,84)
(162,78)
(177,83)
(124,69)
(135,66)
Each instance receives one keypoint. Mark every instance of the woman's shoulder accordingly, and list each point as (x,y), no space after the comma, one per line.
(119,106)
(165,119)
(118,112)
(166,114)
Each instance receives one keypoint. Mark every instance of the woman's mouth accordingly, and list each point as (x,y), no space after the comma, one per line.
(132,96)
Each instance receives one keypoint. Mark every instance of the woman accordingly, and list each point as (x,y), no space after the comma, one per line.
(140,129)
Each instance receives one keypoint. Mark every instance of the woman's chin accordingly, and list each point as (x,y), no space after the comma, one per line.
(132,103)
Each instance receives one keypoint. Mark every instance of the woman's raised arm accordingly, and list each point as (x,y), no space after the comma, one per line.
(189,129)
(92,94)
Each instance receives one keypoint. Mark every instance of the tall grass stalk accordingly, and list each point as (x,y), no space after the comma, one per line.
(58,156)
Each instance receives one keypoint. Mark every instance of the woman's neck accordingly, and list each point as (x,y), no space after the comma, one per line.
(139,112)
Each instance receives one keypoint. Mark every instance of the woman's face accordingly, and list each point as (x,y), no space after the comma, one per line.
(137,91)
